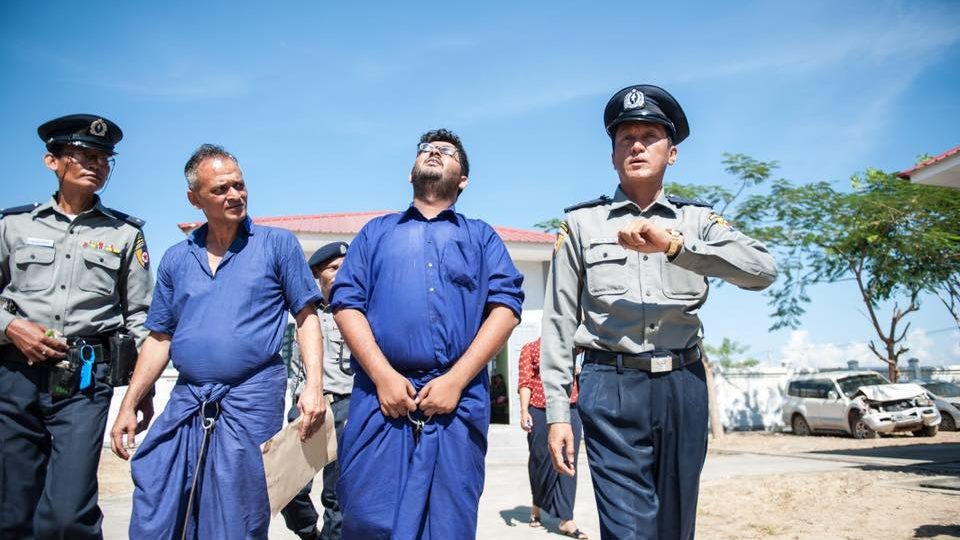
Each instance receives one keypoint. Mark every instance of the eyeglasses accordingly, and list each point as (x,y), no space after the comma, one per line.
(86,157)
(429,148)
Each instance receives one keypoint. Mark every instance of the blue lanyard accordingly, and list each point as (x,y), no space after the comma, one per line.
(88,355)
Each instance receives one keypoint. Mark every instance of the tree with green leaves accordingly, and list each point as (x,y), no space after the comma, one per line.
(730,354)
(550,225)
(894,239)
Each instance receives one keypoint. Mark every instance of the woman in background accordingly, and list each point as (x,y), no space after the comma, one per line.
(552,492)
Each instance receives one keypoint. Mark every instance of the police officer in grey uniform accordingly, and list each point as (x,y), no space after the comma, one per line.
(300,515)
(626,284)
(75,287)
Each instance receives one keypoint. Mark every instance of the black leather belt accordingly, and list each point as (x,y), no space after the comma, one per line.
(654,362)
(336,397)
(103,339)
(102,354)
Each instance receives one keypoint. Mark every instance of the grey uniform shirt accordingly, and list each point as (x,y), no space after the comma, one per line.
(635,302)
(81,277)
(336,360)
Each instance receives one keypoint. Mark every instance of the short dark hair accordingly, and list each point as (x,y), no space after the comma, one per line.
(205,151)
(448,136)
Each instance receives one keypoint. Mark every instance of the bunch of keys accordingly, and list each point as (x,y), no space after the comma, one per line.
(417,426)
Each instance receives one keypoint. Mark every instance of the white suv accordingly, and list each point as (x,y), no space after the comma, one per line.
(861,403)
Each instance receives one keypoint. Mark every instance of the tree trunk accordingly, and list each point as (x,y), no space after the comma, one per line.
(716,424)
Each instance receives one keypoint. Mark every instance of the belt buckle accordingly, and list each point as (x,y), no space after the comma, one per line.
(661,364)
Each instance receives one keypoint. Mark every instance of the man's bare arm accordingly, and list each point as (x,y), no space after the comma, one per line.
(153,358)
(312,406)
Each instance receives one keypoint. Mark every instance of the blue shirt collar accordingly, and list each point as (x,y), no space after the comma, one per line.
(199,236)
(412,212)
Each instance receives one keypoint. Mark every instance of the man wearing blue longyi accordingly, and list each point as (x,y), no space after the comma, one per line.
(425,298)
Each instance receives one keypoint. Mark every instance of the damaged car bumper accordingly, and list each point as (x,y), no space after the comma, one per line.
(908,420)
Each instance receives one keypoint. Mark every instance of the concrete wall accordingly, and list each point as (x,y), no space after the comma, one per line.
(750,399)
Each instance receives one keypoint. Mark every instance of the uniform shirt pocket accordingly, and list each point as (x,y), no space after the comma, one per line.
(680,283)
(460,268)
(606,265)
(34,267)
(99,271)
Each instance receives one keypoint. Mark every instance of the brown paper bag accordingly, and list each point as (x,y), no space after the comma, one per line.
(289,464)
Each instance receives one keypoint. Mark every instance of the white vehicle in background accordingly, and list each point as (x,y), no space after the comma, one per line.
(861,403)
(946,396)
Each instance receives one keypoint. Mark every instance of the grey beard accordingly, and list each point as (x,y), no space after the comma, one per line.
(429,184)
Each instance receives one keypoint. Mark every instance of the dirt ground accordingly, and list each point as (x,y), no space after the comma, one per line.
(861,502)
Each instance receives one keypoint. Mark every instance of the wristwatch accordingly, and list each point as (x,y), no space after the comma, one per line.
(9,306)
(676,242)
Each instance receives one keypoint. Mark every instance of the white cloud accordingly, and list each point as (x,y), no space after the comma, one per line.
(920,346)
(200,85)
(801,351)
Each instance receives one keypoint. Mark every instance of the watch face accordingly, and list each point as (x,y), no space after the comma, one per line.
(8,305)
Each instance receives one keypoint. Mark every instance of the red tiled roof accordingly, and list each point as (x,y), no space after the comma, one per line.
(908,173)
(352,222)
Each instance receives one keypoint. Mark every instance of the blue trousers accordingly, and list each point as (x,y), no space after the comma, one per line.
(49,454)
(646,439)
(300,515)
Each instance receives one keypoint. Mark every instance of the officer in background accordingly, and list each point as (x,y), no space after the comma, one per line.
(300,515)
(626,284)
(75,286)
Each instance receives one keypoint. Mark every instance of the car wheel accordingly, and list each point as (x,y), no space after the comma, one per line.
(926,431)
(859,429)
(947,422)
(800,426)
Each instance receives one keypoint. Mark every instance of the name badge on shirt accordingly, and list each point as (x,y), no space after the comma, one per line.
(42,242)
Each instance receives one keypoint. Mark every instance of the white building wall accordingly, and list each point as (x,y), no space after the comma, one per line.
(534,283)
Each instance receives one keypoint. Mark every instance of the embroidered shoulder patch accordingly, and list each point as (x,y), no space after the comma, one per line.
(140,251)
(562,233)
(718,219)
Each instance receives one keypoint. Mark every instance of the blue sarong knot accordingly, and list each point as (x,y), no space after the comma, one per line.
(209,419)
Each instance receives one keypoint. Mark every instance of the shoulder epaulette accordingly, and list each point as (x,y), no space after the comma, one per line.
(13,210)
(603,199)
(683,201)
(133,220)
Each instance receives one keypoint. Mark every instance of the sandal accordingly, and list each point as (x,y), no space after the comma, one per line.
(535,522)
(577,533)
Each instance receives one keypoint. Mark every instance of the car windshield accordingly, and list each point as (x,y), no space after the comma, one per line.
(943,389)
(850,384)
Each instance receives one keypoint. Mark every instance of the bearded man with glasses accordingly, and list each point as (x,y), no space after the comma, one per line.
(75,285)
(424,299)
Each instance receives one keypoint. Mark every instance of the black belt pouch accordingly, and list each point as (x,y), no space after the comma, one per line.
(123,358)
(64,375)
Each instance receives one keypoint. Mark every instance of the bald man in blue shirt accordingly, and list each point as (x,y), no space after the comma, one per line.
(424,299)
(219,312)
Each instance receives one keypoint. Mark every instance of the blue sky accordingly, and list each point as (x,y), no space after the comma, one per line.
(323,104)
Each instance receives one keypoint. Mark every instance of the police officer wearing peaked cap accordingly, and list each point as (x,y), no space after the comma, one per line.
(627,282)
(73,273)
(300,515)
